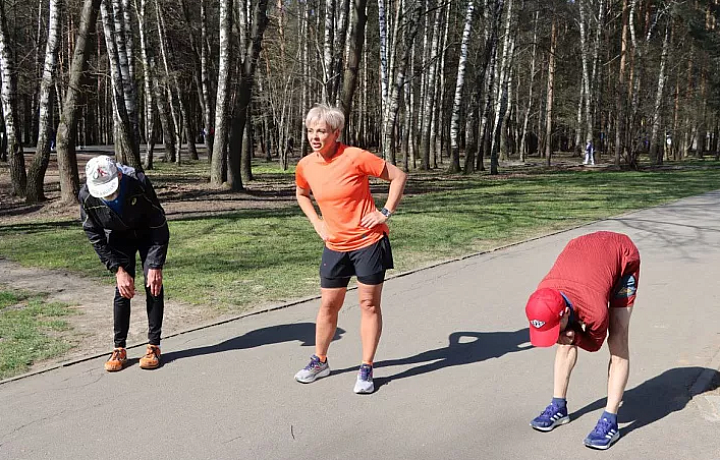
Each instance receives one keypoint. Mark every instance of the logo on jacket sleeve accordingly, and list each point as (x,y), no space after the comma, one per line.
(627,288)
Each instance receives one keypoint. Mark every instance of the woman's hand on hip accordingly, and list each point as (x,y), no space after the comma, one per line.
(372,219)
(321,229)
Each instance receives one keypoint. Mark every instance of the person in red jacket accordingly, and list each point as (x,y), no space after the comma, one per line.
(587,296)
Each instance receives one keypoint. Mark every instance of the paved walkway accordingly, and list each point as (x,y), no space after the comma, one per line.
(456,377)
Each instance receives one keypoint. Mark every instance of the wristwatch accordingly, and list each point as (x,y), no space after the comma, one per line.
(386,212)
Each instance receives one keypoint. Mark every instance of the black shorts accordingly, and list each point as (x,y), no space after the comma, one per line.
(368,264)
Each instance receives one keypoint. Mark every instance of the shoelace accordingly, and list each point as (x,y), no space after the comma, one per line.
(314,363)
(549,411)
(115,356)
(151,353)
(603,427)
(365,372)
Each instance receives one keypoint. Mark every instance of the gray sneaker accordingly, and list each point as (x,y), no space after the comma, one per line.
(364,383)
(313,371)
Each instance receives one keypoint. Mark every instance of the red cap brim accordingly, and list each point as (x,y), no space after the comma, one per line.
(546,338)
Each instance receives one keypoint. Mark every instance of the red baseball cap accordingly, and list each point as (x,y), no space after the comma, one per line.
(544,310)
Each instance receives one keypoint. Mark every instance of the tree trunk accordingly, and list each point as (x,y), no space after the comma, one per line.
(123,39)
(218,168)
(205,80)
(429,100)
(67,129)
(145,53)
(459,85)
(502,93)
(166,123)
(183,123)
(239,167)
(18,176)
(359,19)
(621,92)
(550,91)
(36,174)
(126,149)
(528,107)
(656,155)
(328,50)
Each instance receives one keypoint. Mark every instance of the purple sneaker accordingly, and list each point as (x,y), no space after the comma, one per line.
(313,371)
(551,417)
(604,435)
(364,383)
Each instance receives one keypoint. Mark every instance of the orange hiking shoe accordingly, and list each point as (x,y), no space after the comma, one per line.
(117,360)
(151,360)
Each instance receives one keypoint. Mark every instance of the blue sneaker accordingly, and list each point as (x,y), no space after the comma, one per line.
(551,417)
(364,383)
(314,370)
(604,435)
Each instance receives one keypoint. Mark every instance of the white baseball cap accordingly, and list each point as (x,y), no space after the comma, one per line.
(102,176)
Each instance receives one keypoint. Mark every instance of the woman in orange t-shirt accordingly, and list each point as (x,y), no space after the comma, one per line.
(354,231)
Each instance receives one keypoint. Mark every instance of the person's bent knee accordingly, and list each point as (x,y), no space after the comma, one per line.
(566,349)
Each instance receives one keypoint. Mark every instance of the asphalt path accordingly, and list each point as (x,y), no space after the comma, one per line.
(455,375)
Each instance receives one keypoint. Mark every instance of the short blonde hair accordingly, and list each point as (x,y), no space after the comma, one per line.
(333,116)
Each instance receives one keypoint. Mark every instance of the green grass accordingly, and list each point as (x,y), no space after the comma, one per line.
(251,257)
(29,330)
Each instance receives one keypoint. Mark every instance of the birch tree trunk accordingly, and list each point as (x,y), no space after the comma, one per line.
(67,129)
(18,176)
(218,169)
(528,107)
(145,53)
(126,149)
(586,79)
(502,93)
(621,92)
(439,124)
(656,155)
(550,91)
(328,50)
(36,173)
(174,118)
(404,31)
(486,92)
(208,111)
(123,40)
(429,100)
(459,84)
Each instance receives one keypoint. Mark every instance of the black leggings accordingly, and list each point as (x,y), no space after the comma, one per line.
(121,306)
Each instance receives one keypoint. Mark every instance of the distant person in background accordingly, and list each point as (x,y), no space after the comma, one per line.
(121,215)
(588,295)
(354,231)
(3,146)
(589,154)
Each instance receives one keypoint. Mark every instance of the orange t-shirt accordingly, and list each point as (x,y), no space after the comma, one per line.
(341,188)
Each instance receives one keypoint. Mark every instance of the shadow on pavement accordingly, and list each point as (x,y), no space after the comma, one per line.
(463,348)
(301,332)
(653,399)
